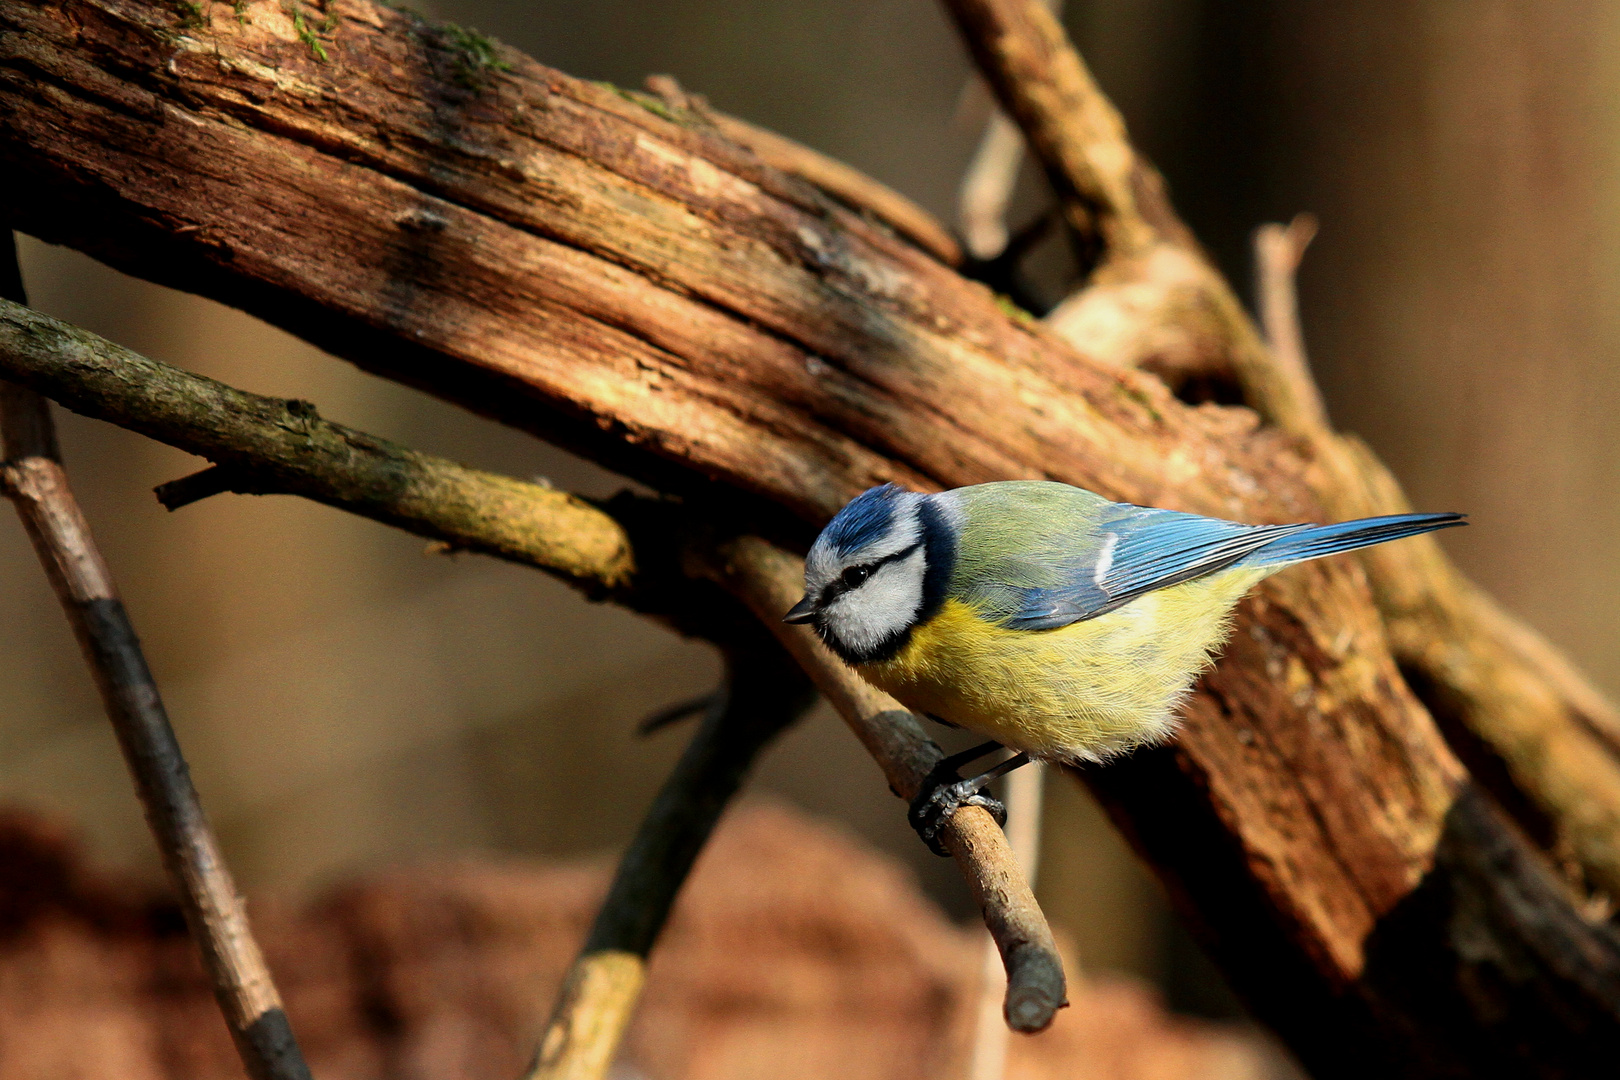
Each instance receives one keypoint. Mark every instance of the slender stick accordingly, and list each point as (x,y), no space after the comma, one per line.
(271,445)
(32,477)
(987,187)
(769,580)
(1278,251)
(988,182)
(1023,799)
(765,693)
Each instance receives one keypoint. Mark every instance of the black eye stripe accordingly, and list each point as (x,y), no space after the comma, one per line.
(838,587)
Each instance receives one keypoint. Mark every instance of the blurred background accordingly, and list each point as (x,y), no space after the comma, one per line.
(348,700)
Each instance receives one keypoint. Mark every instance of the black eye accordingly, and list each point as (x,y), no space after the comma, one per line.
(854,576)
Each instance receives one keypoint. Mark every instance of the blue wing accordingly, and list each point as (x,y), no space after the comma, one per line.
(1036,555)
(1138,550)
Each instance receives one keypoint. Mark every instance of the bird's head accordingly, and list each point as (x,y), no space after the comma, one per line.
(877,570)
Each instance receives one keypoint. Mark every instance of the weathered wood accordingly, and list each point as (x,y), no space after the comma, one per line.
(561,256)
(850,186)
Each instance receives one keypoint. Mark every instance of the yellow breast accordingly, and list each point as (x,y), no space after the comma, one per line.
(1081,692)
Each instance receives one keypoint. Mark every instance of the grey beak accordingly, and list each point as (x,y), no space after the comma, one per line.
(802,612)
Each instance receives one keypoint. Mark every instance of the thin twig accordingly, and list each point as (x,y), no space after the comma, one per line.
(1278,250)
(769,580)
(32,477)
(987,187)
(988,181)
(765,692)
(285,447)
(1024,811)
(271,445)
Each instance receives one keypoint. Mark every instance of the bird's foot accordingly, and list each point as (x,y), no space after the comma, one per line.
(944,792)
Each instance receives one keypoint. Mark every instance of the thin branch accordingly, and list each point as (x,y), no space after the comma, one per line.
(765,693)
(1024,812)
(1278,250)
(987,187)
(282,446)
(988,182)
(271,445)
(31,476)
(769,580)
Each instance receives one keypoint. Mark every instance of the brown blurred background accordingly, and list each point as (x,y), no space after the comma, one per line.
(347,700)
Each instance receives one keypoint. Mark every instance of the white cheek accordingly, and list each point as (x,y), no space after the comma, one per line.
(885,605)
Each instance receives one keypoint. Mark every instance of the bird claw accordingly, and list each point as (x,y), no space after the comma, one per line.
(942,794)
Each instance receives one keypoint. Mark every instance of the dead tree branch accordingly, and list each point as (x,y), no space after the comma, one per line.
(31,476)
(626,281)
(1278,250)
(266,445)
(1528,725)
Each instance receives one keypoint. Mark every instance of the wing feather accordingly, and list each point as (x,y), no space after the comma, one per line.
(1146,549)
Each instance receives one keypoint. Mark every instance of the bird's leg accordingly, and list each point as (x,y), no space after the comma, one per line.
(944,792)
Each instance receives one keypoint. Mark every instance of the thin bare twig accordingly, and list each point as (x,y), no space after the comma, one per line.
(1024,812)
(32,477)
(988,182)
(769,580)
(987,187)
(765,692)
(276,446)
(1278,250)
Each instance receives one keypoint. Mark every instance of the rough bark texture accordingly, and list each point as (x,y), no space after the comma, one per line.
(613,274)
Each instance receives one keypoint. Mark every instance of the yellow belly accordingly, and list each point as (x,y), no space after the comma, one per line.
(1082,692)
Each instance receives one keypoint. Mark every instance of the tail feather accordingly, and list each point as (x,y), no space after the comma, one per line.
(1323,540)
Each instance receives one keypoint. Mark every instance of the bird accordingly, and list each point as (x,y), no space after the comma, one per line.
(1062,625)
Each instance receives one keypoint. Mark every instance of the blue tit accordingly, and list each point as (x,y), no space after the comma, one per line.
(1062,625)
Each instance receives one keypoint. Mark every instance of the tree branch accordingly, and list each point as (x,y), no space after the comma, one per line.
(269,445)
(769,581)
(765,692)
(31,476)
(1529,726)
(1278,250)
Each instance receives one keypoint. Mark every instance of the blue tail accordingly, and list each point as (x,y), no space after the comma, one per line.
(1320,540)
